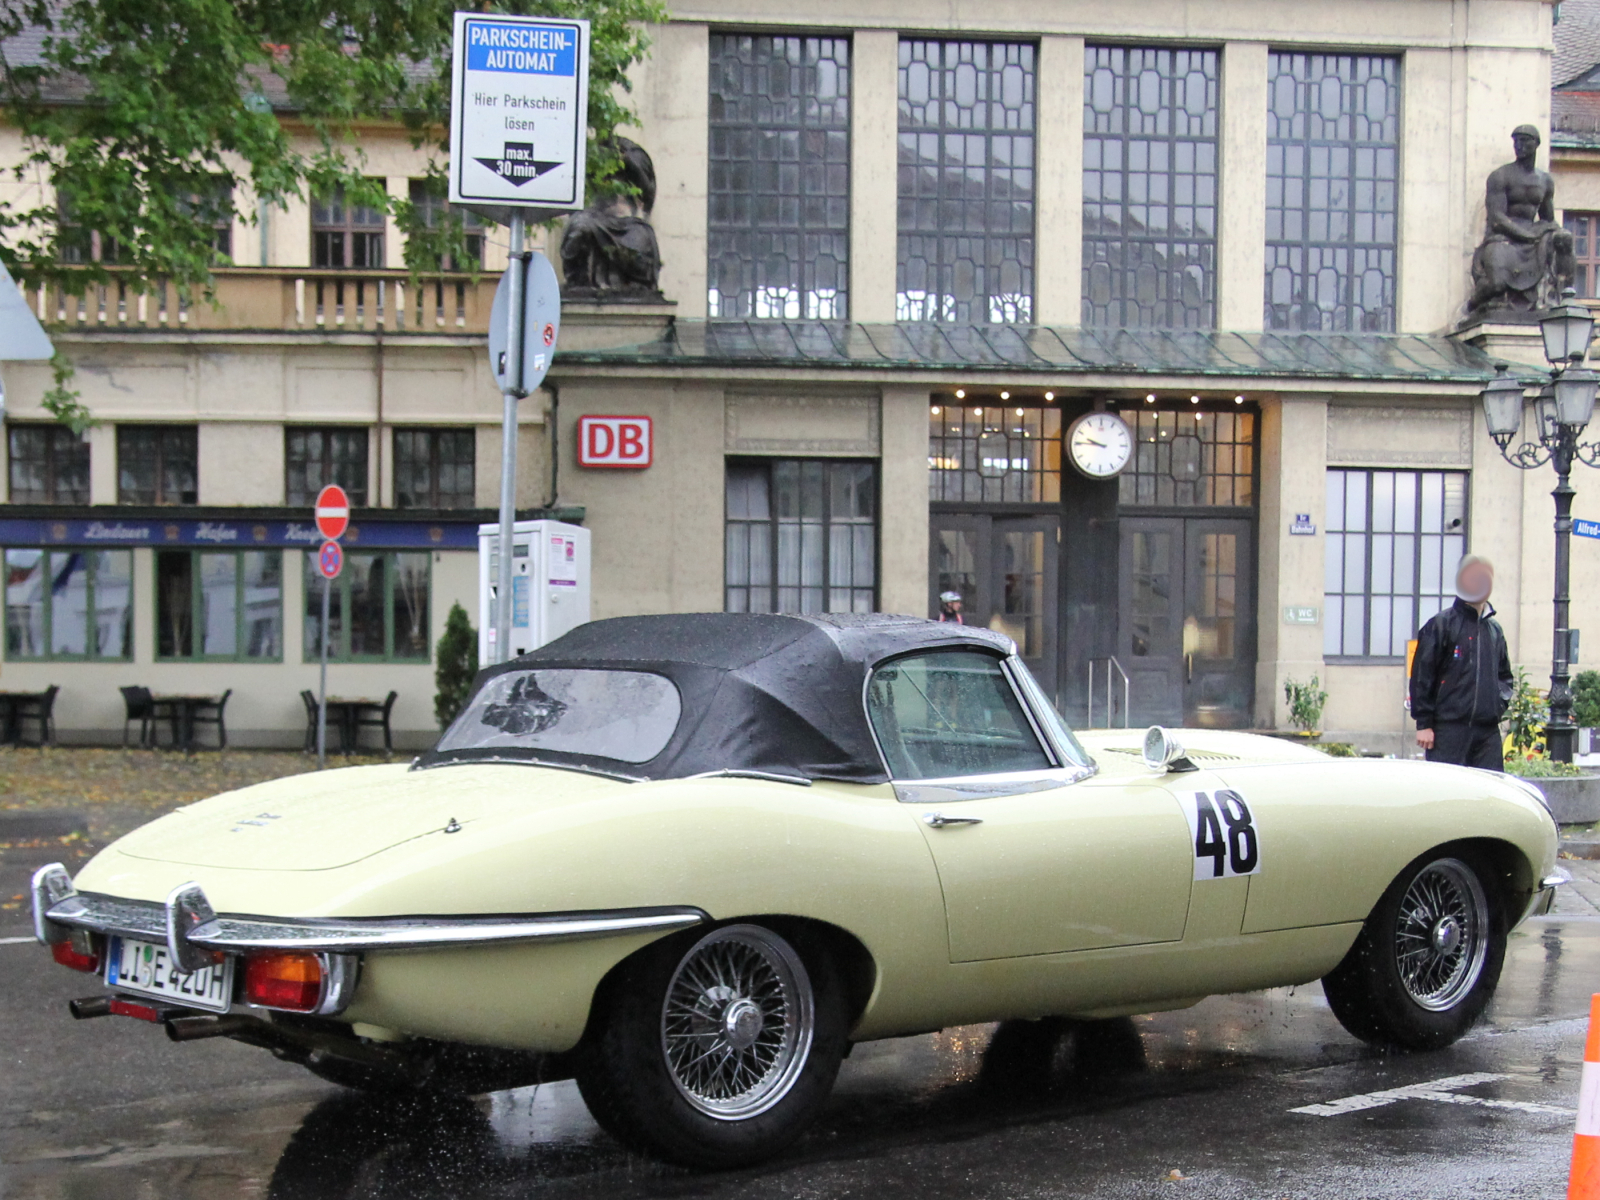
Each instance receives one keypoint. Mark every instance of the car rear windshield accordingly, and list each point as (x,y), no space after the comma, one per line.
(628,716)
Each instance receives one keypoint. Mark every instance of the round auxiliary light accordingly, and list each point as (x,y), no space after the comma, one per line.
(1194,399)
(1049,395)
(1150,399)
(1238,399)
(961,393)
(1005,395)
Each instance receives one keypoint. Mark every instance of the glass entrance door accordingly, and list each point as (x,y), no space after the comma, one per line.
(1004,569)
(1187,629)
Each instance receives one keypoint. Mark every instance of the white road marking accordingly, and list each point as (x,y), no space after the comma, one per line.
(1445,1091)
(18,941)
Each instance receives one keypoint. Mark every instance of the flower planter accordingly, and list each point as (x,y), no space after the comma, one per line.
(1571,801)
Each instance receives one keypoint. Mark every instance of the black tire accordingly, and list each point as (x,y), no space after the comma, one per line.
(1428,958)
(745,994)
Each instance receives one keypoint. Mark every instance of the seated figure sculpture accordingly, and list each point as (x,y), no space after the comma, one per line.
(609,250)
(1525,260)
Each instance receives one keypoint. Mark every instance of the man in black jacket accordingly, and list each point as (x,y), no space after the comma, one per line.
(1461,678)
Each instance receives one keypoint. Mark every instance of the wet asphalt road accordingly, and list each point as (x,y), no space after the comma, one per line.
(1188,1104)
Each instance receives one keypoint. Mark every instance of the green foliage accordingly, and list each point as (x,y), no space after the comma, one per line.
(178,102)
(457,665)
(1542,768)
(1586,699)
(1305,702)
(64,403)
(1526,718)
(1338,749)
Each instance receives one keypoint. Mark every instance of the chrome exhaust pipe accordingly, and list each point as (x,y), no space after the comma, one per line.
(89,1006)
(194,1029)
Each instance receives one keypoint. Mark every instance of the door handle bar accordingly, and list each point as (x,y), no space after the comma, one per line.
(938,820)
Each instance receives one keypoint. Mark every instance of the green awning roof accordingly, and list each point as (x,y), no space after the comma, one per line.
(1012,348)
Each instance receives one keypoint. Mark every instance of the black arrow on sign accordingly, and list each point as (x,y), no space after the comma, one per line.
(517,164)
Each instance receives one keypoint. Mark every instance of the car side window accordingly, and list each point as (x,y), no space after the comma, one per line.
(949,713)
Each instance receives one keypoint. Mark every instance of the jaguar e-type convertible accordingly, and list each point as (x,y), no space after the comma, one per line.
(689,860)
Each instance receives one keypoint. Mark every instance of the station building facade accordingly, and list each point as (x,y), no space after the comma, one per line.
(903,254)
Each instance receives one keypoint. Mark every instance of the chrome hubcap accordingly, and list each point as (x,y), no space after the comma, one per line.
(737,1024)
(1441,938)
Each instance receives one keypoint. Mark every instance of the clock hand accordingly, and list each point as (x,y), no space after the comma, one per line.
(1090,441)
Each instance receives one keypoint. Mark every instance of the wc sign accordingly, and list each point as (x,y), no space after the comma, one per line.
(616,442)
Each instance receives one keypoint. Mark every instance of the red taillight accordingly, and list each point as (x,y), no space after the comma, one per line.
(81,951)
(291,981)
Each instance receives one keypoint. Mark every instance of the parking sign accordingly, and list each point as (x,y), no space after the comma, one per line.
(519,114)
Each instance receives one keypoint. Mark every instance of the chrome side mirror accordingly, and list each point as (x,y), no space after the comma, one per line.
(1163,752)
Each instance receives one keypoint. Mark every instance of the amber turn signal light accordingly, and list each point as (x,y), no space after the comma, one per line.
(291,980)
(81,951)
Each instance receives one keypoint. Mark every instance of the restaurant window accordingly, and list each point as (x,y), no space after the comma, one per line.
(345,234)
(377,608)
(69,604)
(158,464)
(1585,230)
(1190,459)
(219,604)
(778,234)
(1149,187)
(802,536)
(48,464)
(965,246)
(1391,546)
(434,468)
(316,457)
(432,210)
(1333,134)
(994,454)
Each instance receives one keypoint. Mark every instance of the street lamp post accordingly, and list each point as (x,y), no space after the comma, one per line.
(1562,410)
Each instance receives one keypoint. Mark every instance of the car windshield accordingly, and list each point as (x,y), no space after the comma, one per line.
(628,716)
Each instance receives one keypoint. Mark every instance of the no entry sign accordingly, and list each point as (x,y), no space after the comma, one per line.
(616,442)
(330,560)
(519,113)
(332,512)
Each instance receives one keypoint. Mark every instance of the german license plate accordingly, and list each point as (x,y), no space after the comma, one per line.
(147,969)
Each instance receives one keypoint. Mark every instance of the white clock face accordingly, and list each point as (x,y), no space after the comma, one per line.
(1100,444)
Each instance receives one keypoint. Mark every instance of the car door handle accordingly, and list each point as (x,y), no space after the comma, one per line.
(939,820)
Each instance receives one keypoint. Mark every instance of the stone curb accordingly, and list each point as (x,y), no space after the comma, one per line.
(1581,848)
(41,823)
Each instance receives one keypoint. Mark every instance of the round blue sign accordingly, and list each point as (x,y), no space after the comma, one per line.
(330,560)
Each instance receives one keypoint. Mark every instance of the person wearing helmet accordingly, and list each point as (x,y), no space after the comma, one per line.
(1461,681)
(950,607)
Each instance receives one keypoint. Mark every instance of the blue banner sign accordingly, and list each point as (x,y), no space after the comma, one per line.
(1586,528)
(236,535)
(530,49)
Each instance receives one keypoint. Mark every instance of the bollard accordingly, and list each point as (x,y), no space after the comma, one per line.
(1584,1181)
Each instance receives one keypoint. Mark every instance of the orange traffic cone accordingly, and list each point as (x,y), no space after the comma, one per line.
(1584,1182)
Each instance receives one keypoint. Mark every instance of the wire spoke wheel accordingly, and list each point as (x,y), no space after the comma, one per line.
(738,1022)
(1442,934)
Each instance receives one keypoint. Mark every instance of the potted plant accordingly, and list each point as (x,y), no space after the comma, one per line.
(1586,710)
(1306,701)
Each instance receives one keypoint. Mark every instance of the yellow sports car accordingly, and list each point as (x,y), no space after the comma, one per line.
(691,859)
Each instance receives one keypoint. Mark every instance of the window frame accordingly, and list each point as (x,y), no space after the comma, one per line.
(772,521)
(1368,533)
(937,305)
(91,577)
(1584,225)
(432,208)
(349,229)
(162,436)
(57,437)
(196,594)
(357,493)
(433,434)
(337,652)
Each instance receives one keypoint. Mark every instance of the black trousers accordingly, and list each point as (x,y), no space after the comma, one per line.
(1468,746)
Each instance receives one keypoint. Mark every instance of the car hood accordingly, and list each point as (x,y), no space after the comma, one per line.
(323,820)
(1120,751)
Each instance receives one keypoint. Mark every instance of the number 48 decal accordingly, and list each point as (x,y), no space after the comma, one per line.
(1223,833)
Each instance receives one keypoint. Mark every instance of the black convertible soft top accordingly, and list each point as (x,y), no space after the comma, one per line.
(781,695)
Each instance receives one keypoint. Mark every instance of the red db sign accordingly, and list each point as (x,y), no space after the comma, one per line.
(614,442)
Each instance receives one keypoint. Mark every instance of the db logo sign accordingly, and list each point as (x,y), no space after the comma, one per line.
(614,442)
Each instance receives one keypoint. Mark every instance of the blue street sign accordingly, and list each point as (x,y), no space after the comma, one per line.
(330,560)
(1586,528)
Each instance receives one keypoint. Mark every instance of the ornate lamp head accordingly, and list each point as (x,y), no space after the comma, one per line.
(1575,388)
(1502,406)
(1567,329)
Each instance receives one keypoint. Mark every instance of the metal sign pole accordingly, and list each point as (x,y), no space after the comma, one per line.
(508,451)
(322,688)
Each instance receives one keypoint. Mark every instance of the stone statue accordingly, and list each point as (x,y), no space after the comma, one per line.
(609,250)
(1525,259)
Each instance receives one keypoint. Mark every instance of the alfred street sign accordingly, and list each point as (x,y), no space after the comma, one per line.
(332,512)
(519,113)
(541,323)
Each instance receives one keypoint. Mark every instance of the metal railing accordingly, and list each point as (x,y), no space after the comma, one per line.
(1111,665)
(279,299)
